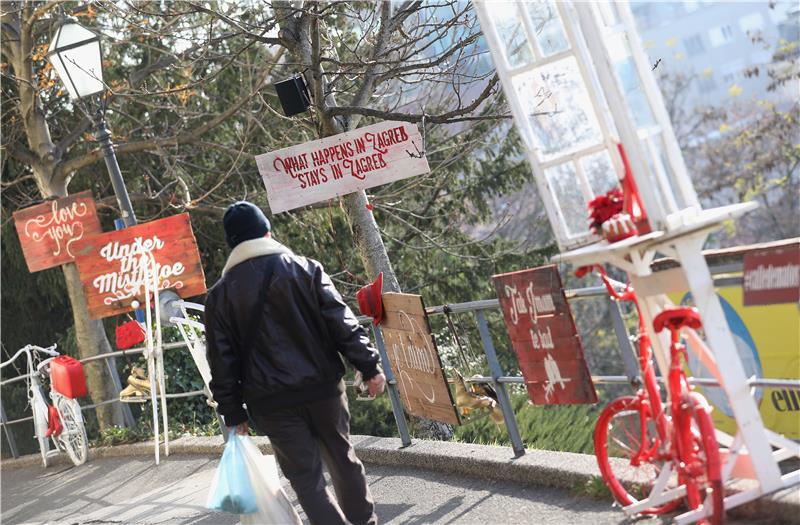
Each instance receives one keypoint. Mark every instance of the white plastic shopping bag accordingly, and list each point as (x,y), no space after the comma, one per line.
(274,507)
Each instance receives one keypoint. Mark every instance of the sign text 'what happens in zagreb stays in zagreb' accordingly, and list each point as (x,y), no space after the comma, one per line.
(323,169)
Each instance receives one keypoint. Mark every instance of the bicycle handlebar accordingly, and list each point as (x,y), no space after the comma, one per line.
(50,350)
(44,363)
(610,284)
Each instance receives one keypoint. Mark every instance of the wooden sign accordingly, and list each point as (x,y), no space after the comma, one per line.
(544,337)
(323,169)
(113,266)
(414,359)
(772,276)
(48,231)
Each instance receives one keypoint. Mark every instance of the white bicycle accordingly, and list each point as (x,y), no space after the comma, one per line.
(61,422)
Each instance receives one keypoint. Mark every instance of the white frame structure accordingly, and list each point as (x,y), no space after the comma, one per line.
(595,112)
(598,32)
(189,329)
(154,351)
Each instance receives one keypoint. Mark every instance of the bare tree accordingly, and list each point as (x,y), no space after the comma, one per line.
(188,106)
(46,145)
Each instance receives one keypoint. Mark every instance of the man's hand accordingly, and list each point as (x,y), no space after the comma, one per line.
(376,385)
(241,429)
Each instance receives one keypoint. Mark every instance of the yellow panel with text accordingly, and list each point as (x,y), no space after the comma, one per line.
(768,342)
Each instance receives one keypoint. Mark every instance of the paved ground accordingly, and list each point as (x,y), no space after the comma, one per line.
(135,491)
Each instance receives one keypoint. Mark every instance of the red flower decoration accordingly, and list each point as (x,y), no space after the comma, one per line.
(603,207)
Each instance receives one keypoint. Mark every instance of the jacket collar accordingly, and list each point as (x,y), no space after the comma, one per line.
(252,249)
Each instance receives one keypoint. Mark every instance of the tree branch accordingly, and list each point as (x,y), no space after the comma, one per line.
(371,74)
(457,115)
(68,167)
(40,12)
(23,155)
(231,22)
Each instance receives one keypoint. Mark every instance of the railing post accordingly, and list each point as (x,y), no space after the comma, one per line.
(394,395)
(500,388)
(624,340)
(12,445)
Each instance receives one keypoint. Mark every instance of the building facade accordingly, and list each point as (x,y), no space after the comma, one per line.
(716,43)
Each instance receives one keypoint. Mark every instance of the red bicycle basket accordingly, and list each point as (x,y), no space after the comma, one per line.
(128,334)
(66,376)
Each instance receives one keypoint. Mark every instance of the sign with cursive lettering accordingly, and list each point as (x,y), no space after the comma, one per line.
(341,164)
(544,337)
(113,266)
(48,231)
(414,359)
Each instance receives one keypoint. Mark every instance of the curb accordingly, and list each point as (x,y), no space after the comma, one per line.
(563,470)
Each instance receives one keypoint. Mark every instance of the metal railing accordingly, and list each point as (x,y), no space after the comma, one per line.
(498,379)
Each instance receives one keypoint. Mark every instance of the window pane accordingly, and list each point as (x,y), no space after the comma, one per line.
(558,108)
(547,27)
(600,172)
(663,165)
(511,33)
(564,184)
(694,45)
(620,52)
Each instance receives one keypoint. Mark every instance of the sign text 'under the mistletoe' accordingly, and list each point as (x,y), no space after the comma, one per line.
(48,231)
(544,336)
(341,164)
(115,266)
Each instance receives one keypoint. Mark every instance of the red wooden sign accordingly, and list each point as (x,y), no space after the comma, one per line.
(772,276)
(48,231)
(344,163)
(544,337)
(113,266)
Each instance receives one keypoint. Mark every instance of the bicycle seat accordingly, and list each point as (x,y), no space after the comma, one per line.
(676,318)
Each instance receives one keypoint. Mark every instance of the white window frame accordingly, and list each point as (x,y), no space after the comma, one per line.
(536,159)
(587,44)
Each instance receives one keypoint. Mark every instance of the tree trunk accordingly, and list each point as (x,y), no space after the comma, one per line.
(92,340)
(301,36)
(368,240)
(90,335)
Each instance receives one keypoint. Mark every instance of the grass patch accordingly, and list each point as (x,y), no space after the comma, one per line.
(567,428)
(594,488)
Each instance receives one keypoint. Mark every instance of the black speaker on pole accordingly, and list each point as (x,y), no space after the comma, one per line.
(293,94)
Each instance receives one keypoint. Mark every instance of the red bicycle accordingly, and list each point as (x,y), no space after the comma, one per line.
(643,451)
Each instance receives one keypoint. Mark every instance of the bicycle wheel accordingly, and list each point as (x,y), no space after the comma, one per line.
(701,472)
(73,437)
(626,445)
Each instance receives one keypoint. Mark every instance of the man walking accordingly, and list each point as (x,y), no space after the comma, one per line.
(276,331)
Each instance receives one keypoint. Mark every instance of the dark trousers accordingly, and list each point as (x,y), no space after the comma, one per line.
(302,437)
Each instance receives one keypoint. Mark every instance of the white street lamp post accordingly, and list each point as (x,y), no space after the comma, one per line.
(77,58)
